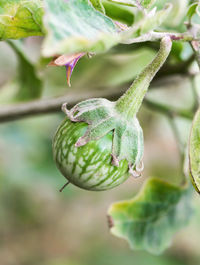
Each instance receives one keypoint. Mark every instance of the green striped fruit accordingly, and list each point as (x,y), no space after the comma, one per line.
(88,166)
(101,142)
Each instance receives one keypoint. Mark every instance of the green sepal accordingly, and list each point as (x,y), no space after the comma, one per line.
(102,117)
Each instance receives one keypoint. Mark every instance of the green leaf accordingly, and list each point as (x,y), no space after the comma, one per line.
(131,3)
(192,10)
(29,85)
(20,18)
(176,18)
(149,220)
(155,19)
(119,13)
(143,3)
(147,3)
(98,5)
(194,151)
(75,25)
(144,24)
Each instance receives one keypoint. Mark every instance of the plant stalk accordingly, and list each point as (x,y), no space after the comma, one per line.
(129,103)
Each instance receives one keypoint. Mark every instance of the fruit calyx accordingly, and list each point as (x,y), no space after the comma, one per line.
(103,116)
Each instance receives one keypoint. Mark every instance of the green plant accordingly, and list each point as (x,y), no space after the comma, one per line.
(124,144)
(100,143)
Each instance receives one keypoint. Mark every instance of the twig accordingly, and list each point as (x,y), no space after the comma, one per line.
(168,110)
(181,148)
(21,110)
(44,106)
(195,94)
(155,36)
(196,48)
(181,67)
(195,43)
(178,138)
(171,114)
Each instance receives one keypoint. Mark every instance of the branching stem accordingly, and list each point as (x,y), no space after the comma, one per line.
(156,36)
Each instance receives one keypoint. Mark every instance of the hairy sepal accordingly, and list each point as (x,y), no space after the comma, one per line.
(102,117)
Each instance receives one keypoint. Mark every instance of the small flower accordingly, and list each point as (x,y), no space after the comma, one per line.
(69,61)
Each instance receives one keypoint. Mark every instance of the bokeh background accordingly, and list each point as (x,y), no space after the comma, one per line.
(41,226)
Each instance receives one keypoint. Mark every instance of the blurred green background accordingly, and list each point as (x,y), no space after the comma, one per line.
(41,226)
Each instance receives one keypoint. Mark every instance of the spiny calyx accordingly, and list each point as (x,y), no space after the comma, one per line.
(102,116)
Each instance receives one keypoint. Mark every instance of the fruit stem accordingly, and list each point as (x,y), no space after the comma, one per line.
(129,103)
